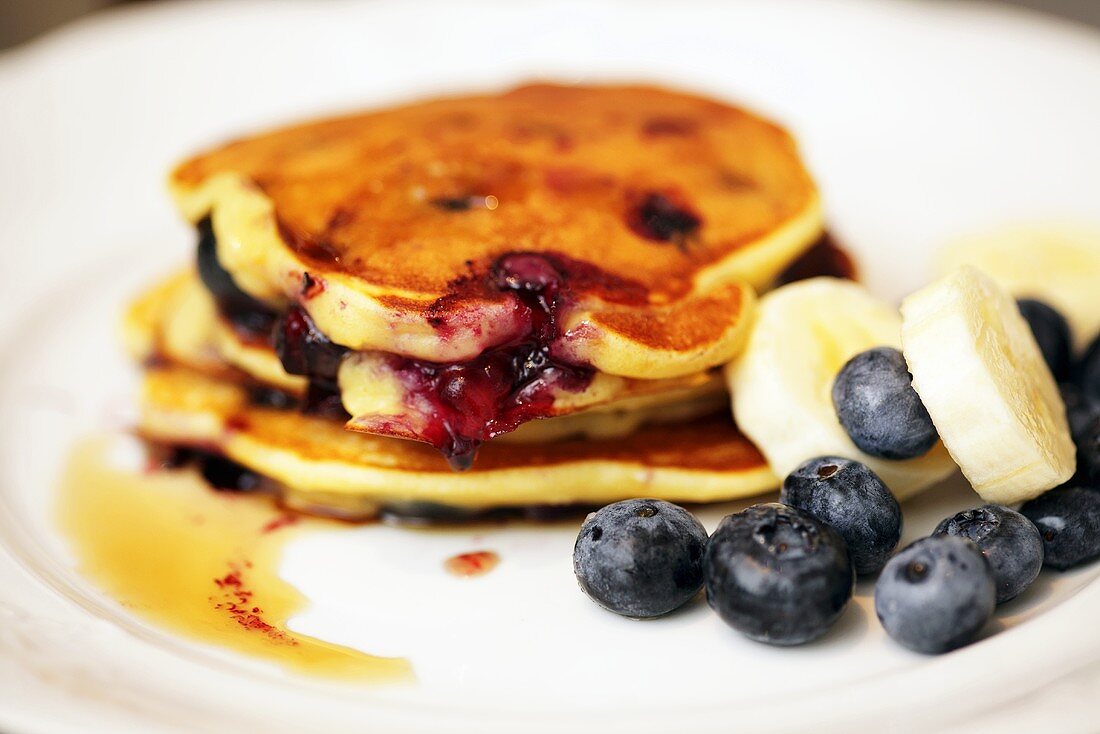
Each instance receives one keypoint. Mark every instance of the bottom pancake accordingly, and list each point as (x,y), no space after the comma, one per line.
(323,468)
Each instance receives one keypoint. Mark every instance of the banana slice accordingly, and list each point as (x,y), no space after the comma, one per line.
(979,372)
(782,381)
(1056,264)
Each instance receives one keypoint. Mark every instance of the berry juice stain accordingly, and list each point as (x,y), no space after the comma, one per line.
(200,563)
(476,563)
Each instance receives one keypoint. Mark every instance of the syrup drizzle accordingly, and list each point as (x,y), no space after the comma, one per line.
(200,563)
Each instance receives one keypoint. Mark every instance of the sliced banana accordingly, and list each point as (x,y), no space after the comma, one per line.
(979,371)
(1059,265)
(782,381)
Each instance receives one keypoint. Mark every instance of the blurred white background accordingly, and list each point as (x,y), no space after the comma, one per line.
(21,20)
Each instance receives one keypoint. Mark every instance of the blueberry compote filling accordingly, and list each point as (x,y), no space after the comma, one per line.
(302,349)
(467,402)
(305,351)
(471,402)
(251,318)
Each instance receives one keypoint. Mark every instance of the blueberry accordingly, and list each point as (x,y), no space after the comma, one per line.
(270,397)
(460,203)
(1081,410)
(1088,453)
(1083,416)
(663,218)
(1008,540)
(1068,519)
(229,476)
(1051,331)
(1088,370)
(640,558)
(936,594)
(248,314)
(853,500)
(215,277)
(875,401)
(777,574)
(303,349)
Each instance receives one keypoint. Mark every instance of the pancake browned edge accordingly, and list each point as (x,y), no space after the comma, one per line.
(321,468)
(493,258)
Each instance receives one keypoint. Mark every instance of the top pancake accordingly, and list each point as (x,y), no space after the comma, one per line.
(656,207)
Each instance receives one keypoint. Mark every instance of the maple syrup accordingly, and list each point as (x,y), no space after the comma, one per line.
(198,562)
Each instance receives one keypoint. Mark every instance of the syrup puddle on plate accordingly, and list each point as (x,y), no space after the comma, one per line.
(200,563)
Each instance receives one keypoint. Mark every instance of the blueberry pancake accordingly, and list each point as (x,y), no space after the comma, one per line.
(176,322)
(683,446)
(448,271)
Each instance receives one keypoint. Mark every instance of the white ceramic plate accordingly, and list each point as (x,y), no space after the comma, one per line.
(921,121)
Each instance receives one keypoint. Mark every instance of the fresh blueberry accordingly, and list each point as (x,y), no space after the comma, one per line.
(1088,370)
(1088,453)
(1083,416)
(1081,410)
(853,500)
(878,407)
(1008,540)
(1068,519)
(936,594)
(777,574)
(640,558)
(1051,331)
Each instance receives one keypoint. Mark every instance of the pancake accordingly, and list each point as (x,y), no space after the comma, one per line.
(653,212)
(323,468)
(176,321)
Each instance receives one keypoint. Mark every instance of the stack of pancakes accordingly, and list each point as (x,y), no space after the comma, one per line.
(478,302)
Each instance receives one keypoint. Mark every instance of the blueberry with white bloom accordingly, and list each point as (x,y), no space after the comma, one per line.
(879,409)
(1009,541)
(854,501)
(1068,519)
(1087,373)
(777,574)
(936,594)
(1052,333)
(1081,410)
(641,557)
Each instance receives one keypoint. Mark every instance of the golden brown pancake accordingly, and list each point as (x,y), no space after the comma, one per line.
(324,468)
(657,210)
